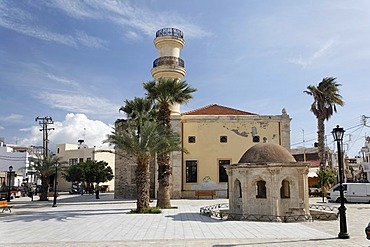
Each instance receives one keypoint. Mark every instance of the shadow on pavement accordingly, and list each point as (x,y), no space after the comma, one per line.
(192,217)
(301,242)
(63,215)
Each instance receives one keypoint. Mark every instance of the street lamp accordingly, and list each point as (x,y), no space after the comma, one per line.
(55,185)
(338,134)
(9,179)
(322,181)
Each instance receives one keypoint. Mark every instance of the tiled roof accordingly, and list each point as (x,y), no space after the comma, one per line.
(217,110)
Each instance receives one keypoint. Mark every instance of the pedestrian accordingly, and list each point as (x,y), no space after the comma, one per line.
(82,187)
(30,192)
(97,188)
(92,188)
(88,188)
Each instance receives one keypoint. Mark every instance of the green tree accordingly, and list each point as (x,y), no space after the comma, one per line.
(74,173)
(89,171)
(97,171)
(166,92)
(154,139)
(326,97)
(326,177)
(139,110)
(45,167)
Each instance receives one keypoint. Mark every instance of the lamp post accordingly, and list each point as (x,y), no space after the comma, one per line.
(322,181)
(338,137)
(55,185)
(9,180)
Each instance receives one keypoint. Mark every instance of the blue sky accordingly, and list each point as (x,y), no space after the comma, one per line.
(77,61)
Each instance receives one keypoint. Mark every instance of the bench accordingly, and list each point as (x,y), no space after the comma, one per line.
(199,193)
(4,205)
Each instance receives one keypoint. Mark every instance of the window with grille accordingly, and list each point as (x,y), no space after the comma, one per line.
(191,171)
(261,189)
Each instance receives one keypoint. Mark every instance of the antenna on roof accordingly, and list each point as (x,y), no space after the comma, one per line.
(84,135)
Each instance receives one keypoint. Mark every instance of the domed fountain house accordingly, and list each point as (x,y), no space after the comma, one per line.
(268,185)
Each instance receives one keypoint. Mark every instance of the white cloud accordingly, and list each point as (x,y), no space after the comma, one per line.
(63,81)
(78,103)
(1,127)
(120,13)
(20,21)
(132,35)
(123,14)
(304,62)
(23,22)
(89,41)
(76,9)
(70,130)
(13,118)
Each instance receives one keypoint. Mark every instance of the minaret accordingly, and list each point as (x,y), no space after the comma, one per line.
(169,42)
(169,65)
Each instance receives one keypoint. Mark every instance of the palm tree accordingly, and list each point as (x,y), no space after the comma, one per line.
(326,97)
(139,110)
(166,92)
(154,139)
(46,168)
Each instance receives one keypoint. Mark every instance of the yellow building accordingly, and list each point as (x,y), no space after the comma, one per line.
(216,136)
(76,153)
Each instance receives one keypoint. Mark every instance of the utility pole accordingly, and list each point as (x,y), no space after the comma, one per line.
(304,147)
(44,122)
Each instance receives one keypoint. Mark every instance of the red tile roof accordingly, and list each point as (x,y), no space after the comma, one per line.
(217,110)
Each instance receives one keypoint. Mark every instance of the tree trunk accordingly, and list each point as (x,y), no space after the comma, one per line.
(44,188)
(164,174)
(142,186)
(320,139)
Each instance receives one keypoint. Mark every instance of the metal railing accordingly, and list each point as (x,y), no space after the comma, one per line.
(220,211)
(174,32)
(168,60)
(215,210)
(322,207)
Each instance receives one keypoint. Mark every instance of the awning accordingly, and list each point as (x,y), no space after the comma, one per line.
(313,172)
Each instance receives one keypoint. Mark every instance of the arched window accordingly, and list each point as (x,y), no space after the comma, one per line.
(261,189)
(285,189)
(237,189)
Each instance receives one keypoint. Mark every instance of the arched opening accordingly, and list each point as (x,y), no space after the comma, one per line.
(261,189)
(285,189)
(237,189)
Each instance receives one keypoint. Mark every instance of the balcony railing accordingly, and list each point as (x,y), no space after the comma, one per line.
(174,32)
(168,60)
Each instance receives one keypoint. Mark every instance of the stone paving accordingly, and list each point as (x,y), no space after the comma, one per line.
(85,221)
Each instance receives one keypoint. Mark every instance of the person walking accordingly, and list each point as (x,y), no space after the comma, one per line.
(30,192)
(97,188)
(82,188)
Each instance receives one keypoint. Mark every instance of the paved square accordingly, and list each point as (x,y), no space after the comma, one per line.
(84,221)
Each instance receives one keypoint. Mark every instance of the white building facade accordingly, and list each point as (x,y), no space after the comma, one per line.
(76,153)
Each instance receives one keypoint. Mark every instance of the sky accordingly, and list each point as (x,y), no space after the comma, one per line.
(78,61)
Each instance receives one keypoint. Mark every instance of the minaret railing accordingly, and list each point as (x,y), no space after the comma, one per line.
(174,32)
(168,60)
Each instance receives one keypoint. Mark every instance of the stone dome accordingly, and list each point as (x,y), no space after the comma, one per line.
(267,153)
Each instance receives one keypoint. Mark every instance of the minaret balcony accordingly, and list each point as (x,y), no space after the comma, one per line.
(174,32)
(168,67)
(170,37)
(168,61)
